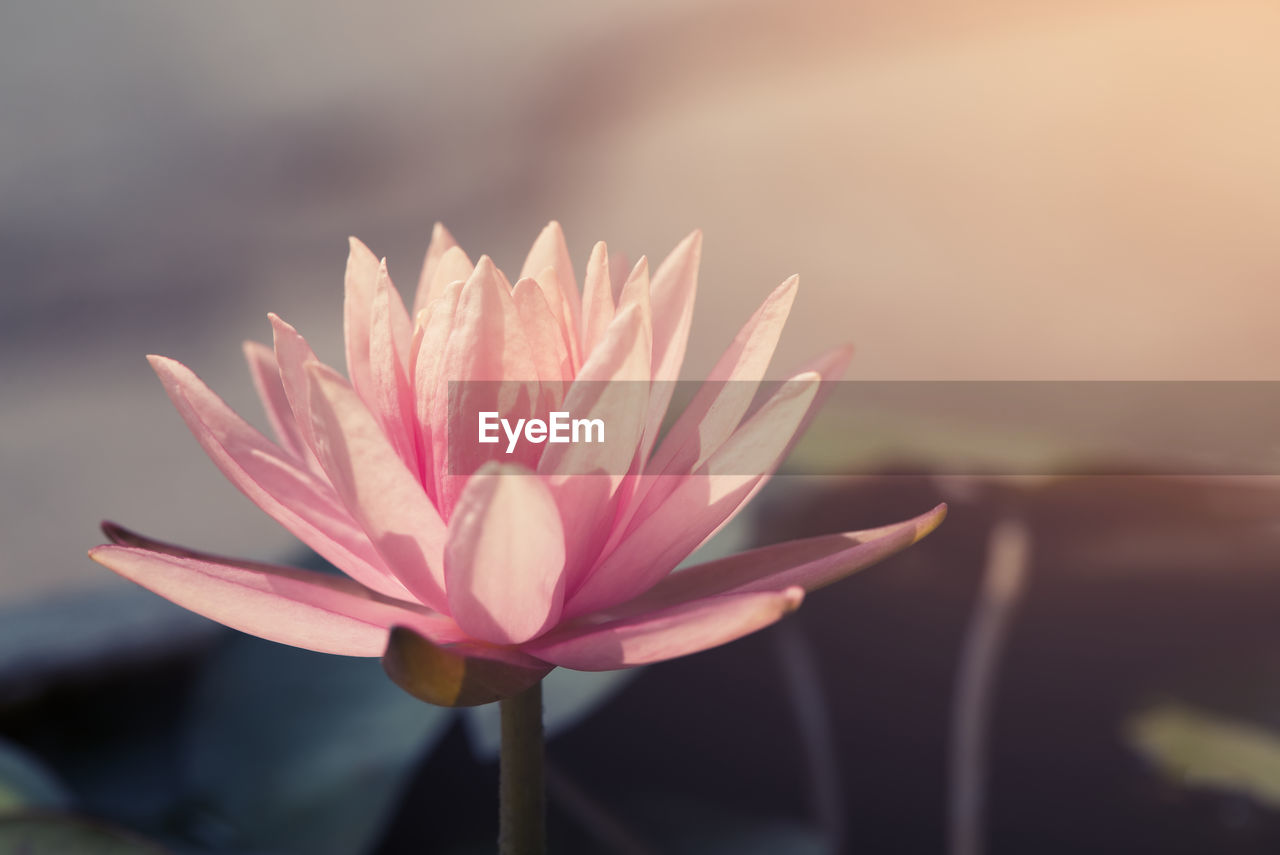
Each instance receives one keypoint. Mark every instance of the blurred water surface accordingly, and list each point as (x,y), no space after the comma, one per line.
(969,191)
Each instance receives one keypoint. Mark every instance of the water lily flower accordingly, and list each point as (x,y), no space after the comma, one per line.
(472,580)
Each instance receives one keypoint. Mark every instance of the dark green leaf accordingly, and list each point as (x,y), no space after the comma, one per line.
(298,752)
(26,784)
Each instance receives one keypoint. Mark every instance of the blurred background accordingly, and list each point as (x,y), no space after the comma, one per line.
(969,191)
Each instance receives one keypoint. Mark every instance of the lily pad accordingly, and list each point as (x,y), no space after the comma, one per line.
(296,752)
(25,783)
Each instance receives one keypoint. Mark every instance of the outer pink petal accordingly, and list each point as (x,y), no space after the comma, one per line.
(391,396)
(315,611)
(293,497)
(376,487)
(549,250)
(613,387)
(597,299)
(441,242)
(504,557)
(660,540)
(721,402)
(292,355)
(676,631)
(361,282)
(831,367)
(266,380)
(810,563)
(674,286)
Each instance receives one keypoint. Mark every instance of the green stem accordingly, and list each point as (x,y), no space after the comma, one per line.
(522,803)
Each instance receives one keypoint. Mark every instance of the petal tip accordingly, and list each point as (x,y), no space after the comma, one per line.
(929,521)
(792,598)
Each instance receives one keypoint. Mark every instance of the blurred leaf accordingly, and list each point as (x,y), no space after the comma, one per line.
(25,783)
(568,697)
(55,835)
(1199,749)
(301,752)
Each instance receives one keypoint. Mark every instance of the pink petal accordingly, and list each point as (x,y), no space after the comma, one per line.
(831,367)
(265,372)
(720,403)
(304,609)
(548,283)
(661,537)
(454,266)
(547,346)
(376,487)
(292,355)
(613,387)
(810,563)
(672,293)
(361,282)
(549,250)
(390,394)
(490,365)
(306,506)
(441,241)
(434,324)
(504,557)
(665,634)
(597,299)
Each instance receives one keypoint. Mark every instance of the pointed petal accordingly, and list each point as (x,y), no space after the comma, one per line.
(301,608)
(548,283)
(676,631)
(487,365)
(810,563)
(441,241)
(454,266)
(376,487)
(390,394)
(504,556)
(361,282)
(831,367)
(292,354)
(549,250)
(584,477)
(674,285)
(597,299)
(461,675)
(720,403)
(662,536)
(306,506)
(550,356)
(266,380)
(433,331)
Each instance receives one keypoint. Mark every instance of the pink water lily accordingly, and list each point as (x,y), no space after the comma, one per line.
(473,584)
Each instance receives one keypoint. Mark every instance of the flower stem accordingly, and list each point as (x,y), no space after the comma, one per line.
(522,803)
